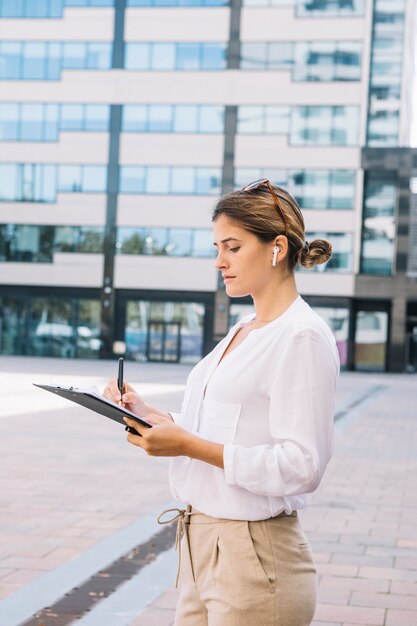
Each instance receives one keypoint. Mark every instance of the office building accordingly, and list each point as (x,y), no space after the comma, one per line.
(122,121)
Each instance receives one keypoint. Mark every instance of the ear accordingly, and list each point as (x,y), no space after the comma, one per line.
(282,243)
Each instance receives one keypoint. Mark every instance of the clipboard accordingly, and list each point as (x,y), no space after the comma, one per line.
(93,400)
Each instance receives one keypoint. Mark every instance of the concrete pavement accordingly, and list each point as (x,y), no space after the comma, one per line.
(70,485)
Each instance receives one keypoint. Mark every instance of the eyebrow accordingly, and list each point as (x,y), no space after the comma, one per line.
(227,240)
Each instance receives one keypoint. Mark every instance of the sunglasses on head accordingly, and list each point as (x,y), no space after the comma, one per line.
(264,182)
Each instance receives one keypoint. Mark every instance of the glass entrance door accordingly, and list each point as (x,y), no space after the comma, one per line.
(371,338)
(163,341)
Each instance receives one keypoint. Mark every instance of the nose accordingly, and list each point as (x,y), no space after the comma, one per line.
(220,262)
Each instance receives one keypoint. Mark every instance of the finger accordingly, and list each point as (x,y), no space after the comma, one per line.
(130,398)
(133,424)
(136,440)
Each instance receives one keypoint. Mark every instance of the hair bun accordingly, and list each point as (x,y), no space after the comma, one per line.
(315,253)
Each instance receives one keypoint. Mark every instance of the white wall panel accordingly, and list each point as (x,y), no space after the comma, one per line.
(71,209)
(175,211)
(321,284)
(72,147)
(171,149)
(177,24)
(273,151)
(67,270)
(210,87)
(79,25)
(282,25)
(330,221)
(147,272)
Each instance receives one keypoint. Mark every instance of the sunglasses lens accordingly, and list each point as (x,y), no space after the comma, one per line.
(255,184)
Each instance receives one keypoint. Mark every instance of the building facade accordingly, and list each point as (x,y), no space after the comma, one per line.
(121,121)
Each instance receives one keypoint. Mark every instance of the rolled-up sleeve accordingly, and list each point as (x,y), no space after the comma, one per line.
(301,415)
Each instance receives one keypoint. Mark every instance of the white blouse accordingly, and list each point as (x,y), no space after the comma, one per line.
(270,401)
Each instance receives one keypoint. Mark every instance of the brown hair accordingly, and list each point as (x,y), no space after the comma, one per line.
(256,211)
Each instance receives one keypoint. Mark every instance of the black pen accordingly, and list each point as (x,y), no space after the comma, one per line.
(120,384)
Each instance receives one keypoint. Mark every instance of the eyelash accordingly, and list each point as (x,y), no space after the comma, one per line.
(234,249)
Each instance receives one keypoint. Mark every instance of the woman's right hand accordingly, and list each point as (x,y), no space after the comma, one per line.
(130,400)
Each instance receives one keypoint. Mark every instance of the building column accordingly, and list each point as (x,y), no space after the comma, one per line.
(107,297)
(221,299)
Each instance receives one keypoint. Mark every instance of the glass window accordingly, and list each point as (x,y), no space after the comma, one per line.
(132,179)
(94,178)
(11,8)
(342,189)
(211,119)
(378,230)
(72,117)
(188,56)
(160,118)
(9,122)
(69,178)
(185,119)
(280,56)
(203,243)
(158,180)
(50,129)
(74,56)
(306,8)
(137,56)
(371,338)
(130,240)
(208,181)
(277,119)
(213,56)
(250,119)
(54,61)
(99,56)
(179,242)
(97,117)
(183,180)
(155,241)
(163,56)
(31,125)
(65,238)
(34,61)
(48,183)
(8,182)
(11,57)
(253,56)
(90,239)
(135,117)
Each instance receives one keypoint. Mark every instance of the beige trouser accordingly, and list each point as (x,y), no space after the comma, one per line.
(239,573)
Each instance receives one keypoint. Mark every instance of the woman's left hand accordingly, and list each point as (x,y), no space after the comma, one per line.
(164,438)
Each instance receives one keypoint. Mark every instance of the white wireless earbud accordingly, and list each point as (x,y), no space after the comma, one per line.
(274,258)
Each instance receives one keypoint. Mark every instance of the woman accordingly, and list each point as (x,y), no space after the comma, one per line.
(256,427)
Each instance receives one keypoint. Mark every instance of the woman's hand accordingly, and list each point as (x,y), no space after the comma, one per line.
(130,400)
(164,439)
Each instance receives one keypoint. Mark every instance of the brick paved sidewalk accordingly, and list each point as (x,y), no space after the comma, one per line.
(362,522)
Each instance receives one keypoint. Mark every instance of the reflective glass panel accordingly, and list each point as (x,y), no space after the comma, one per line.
(203,243)
(371,340)
(11,60)
(34,61)
(137,56)
(211,119)
(157,180)
(163,56)
(99,56)
(8,182)
(179,242)
(94,178)
(338,321)
(69,178)
(74,55)
(72,117)
(135,117)
(132,179)
(160,118)
(188,56)
(31,125)
(96,117)
(213,56)
(183,180)
(9,122)
(185,119)
(51,112)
